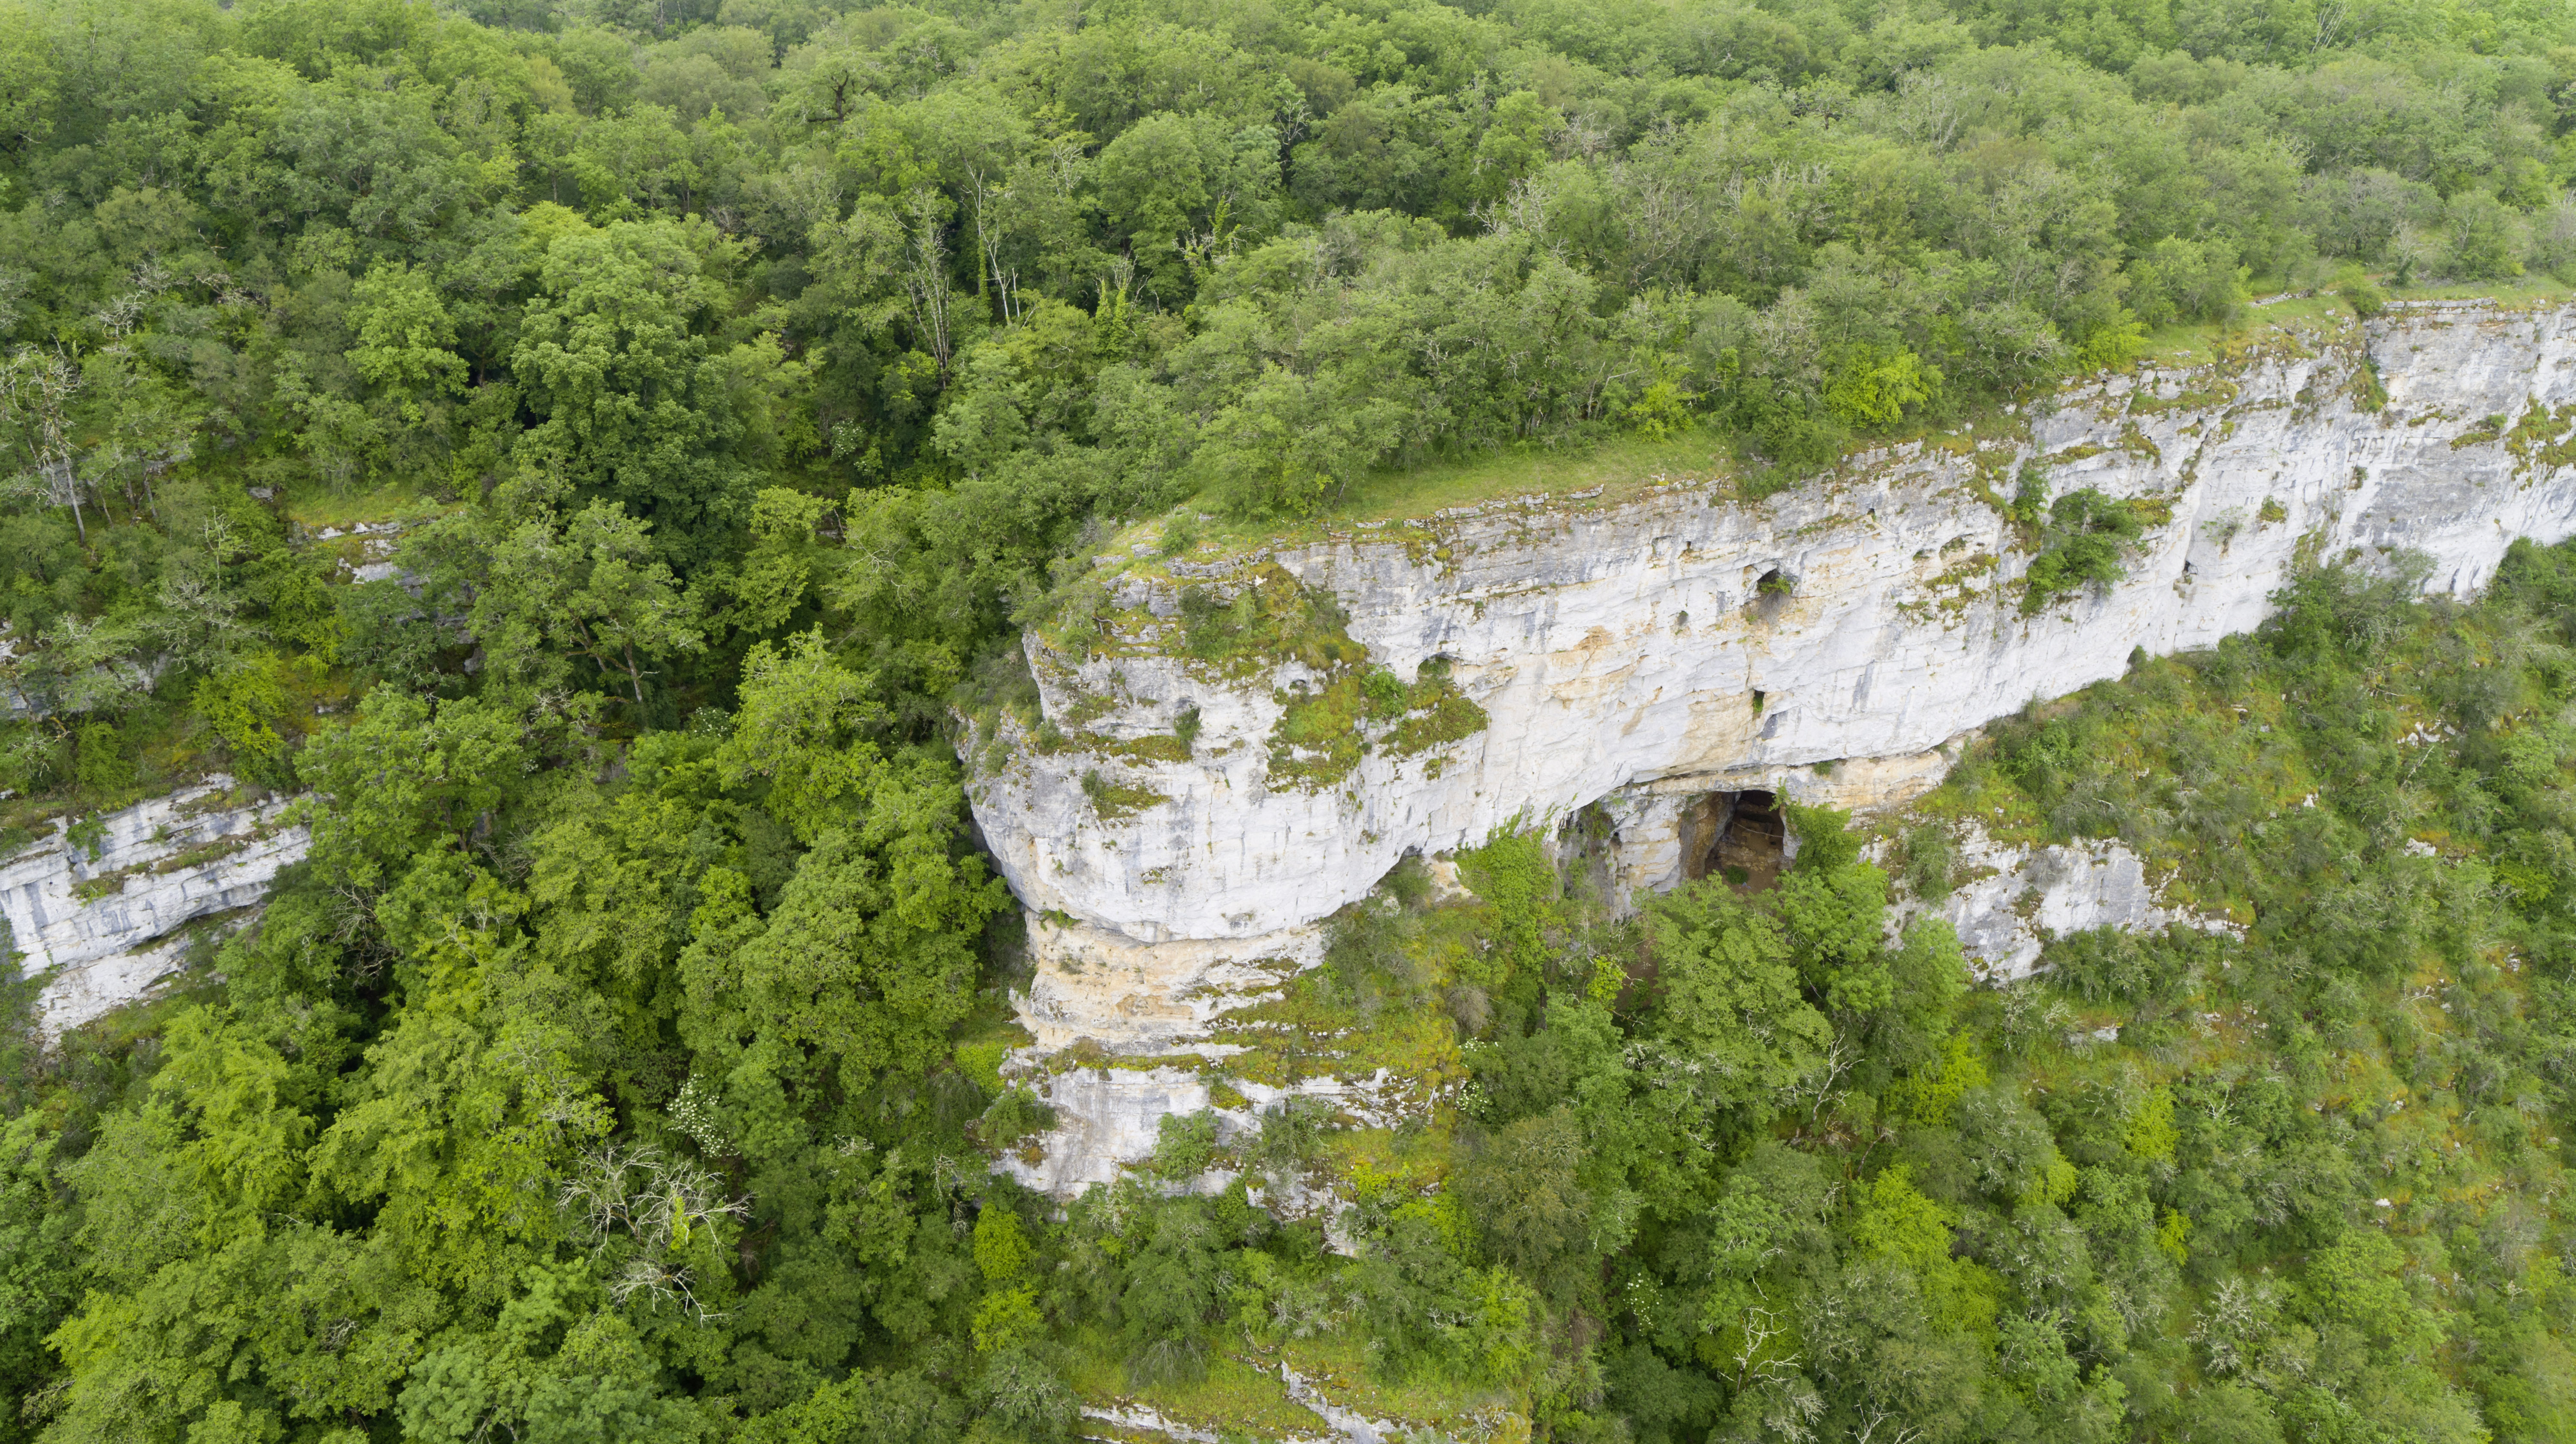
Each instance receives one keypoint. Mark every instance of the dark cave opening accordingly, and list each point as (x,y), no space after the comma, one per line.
(1739,836)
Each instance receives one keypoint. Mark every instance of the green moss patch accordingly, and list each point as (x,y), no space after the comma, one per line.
(1324,732)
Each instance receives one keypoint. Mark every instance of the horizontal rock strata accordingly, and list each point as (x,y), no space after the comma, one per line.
(1830,641)
(89,911)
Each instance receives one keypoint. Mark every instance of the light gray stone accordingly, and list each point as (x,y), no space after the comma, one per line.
(1616,650)
(2004,918)
(101,950)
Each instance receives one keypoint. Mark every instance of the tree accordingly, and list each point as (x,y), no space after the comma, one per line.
(592,587)
(1293,443)
(1525,1193)
(42,1267)
(406,346)
(783,557)
(870,952)
(406,774)
(1732,1006)
(560,1365)
(803,730)
(865,1408)
(35,403)
(29,88)
(637,398)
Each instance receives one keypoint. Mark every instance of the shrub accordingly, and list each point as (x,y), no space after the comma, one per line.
(1511,873)
(1292,1129)
(247,702)
(102,766)
(2029,503)
(2035,755)
(2483,238)
(2113,964)
(2340,615)
(1013,1116)
(2088,536)
(31,759)
(1929,857)
(1826,842)
(1185,1145)
(2179,280)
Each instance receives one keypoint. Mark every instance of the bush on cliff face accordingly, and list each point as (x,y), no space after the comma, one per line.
(2084,544)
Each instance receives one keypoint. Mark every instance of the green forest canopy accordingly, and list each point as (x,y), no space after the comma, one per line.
(623,1063)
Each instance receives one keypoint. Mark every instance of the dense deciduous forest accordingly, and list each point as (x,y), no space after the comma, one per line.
(624,1063)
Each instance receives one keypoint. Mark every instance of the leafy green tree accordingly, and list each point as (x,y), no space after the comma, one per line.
(870,953)
(406,350)
(1732,1002)
(781,563)
(2355,1284)
(42,1269)
(639,396)
(863,1409)
(1527,1194)
(557,1365)
(404,776)
(803,731)
(1293,444)
(590,586)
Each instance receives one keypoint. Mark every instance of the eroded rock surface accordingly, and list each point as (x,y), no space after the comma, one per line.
(98,921)
(1621,647)
(2023,896)
(1644,654)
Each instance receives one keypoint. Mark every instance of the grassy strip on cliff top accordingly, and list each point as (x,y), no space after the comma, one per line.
(1618,469)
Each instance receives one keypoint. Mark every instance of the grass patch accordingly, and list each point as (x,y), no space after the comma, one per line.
(1309,1034)
(2543,439)
(2537,288)
(318,510)
(1323,733)
(1374,1004)
(1115,801)
(1622,468)
(1337,1366)
(1234,1395)
(1153,747)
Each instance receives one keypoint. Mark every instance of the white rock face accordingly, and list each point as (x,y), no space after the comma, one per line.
(1618,650)
(1621,647)
(174,859)
(2004,918)
(372,558)
(1163,996)
(1157,1001)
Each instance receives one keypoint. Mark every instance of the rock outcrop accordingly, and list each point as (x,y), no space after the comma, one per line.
(2017,898)
(1184,813)
(96,910)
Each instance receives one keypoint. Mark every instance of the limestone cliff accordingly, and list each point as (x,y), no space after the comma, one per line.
(1218,770)
(90,910)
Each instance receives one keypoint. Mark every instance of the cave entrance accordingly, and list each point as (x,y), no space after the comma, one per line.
(1739,836)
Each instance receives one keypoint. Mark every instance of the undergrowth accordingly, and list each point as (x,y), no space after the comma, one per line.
(1752,1158)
